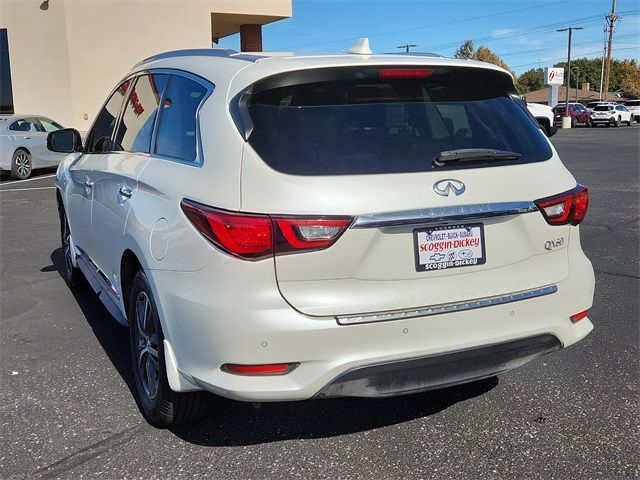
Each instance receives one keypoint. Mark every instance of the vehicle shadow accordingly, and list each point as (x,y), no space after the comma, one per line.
(113,337)
(233,423)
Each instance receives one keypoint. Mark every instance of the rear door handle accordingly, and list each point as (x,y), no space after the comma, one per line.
(125,191)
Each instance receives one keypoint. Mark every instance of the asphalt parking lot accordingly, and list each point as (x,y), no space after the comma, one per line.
(67,408)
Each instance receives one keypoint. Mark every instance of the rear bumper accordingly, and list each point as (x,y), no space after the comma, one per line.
(227,315)
(403,377)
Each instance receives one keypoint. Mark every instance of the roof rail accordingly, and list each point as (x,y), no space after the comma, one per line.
(193,52)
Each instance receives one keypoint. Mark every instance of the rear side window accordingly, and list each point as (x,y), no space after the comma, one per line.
(50,125)
(26,125)
(136,126)
(177,132)
(99,138)
(350,121)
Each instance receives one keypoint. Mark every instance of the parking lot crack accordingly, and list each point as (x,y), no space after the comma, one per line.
(616,274)
(90,452)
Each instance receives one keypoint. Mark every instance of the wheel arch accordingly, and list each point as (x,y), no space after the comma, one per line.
(22,147)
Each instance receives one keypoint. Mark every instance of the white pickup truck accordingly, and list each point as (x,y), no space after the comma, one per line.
(544,115)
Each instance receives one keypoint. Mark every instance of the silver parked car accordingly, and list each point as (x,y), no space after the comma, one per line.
(23,144)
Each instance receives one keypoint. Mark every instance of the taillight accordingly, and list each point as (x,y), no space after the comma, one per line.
(565,208)
(297,234)
(254,236)
(247,236)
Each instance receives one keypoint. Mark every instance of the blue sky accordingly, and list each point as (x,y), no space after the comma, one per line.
(522,32)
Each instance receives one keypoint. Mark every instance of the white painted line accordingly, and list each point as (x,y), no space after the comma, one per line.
(25,189)
(28,179)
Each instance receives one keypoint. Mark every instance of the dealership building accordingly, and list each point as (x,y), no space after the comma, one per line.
(61,58)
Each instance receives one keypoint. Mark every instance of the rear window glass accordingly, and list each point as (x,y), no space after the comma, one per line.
(603,108)
(351,121)
(634,103)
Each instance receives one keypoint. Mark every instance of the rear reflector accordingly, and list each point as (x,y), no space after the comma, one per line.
(565,208)
(257,370)
(579,316)
(251,236)
(405,73)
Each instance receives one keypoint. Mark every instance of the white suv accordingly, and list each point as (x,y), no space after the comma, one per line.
(634,107)
(276,229)
(610,115)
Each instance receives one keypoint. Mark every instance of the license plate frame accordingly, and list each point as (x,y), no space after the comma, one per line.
(449,233)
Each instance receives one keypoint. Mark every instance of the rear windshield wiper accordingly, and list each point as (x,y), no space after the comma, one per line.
(473,154)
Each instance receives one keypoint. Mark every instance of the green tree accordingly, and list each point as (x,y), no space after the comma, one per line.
(531,80)
(482,54)
(629,74)
(465,51)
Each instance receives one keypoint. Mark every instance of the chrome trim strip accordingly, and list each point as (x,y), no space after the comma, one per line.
(427,216)
(446,307)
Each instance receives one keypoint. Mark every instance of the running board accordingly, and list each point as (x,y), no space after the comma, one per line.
(100,286)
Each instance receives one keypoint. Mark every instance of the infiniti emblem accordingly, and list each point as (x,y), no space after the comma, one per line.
(448,185)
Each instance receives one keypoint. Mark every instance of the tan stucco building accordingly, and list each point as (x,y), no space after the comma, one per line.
(65,56)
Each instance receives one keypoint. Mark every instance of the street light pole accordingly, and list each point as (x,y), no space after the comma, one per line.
(567,123)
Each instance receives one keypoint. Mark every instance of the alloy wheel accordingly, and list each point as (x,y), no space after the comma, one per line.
(147,346)
(23,164)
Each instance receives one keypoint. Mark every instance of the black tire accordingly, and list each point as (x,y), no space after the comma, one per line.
(590,123)
(160,405)
(618,122)
(21,164)
(573,122)
(72,275)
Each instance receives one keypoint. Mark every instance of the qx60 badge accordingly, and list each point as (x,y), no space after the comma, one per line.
(447,186)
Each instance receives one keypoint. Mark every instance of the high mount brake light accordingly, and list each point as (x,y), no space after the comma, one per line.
(565,208)
(253,236)
(405,73)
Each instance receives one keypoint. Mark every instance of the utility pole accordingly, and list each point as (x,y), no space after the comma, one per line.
(612,18)
(407,46)
(566,122)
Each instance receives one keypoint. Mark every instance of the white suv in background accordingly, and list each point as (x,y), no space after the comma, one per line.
(608,114)
(634,107)
(275,229)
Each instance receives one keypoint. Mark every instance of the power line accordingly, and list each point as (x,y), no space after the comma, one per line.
(599,52)
(546,49)
(432,25)
(526,31)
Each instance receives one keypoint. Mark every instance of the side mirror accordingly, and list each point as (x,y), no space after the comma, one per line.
(67,140)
